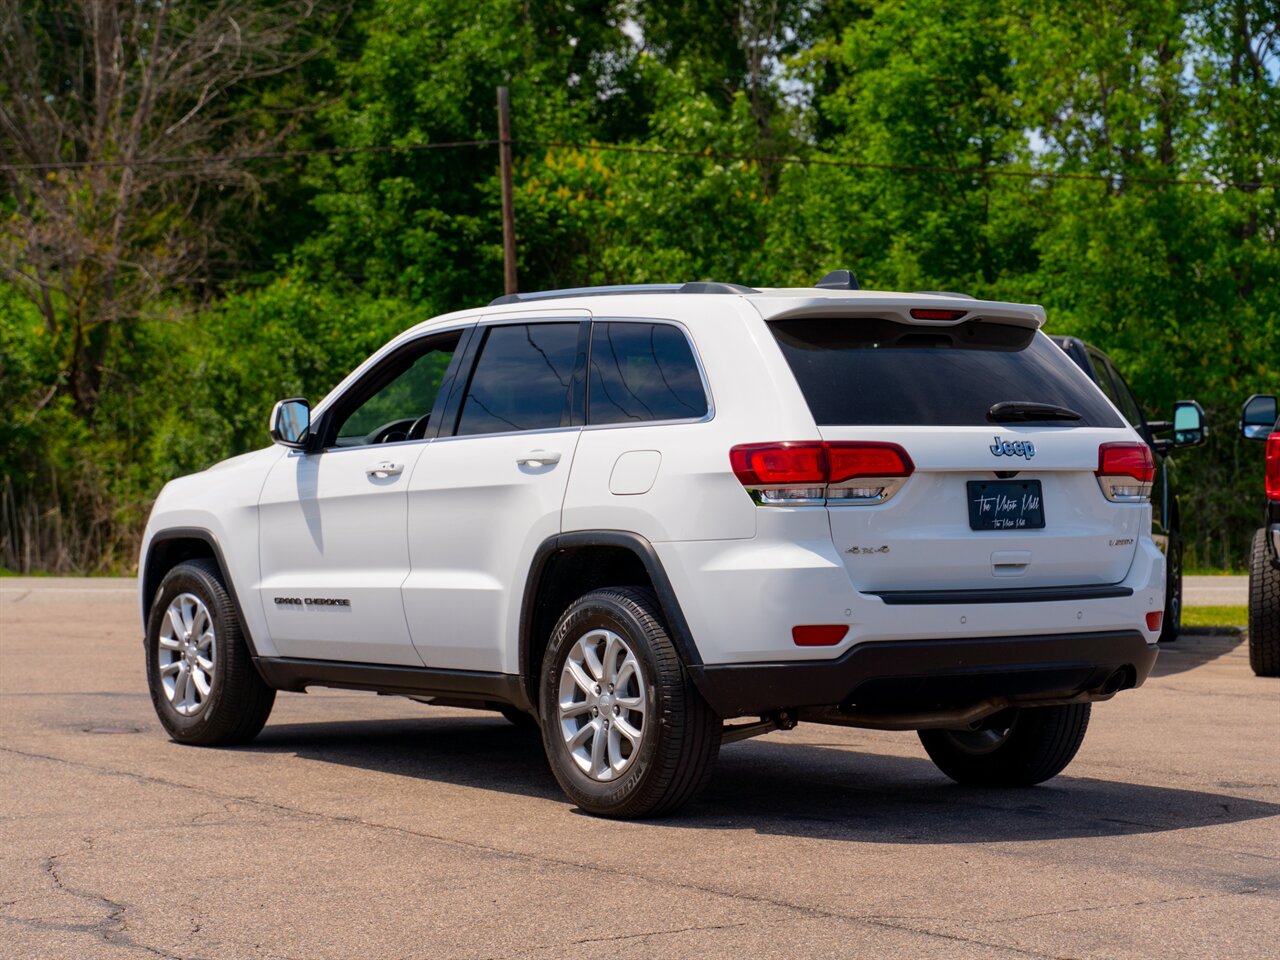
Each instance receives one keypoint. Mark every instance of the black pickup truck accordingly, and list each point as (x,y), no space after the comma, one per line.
(1188,429)
(1259,420)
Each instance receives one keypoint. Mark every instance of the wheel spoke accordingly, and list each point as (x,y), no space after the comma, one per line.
(612,647)
(573,708)
(176,619)
(170,668)
(180,685)
(591,659)
(625,728)
(584,682)
(598,751)
(616,760)
(579,738)
(625,672)
(169,643)
(631,703)
(202,682)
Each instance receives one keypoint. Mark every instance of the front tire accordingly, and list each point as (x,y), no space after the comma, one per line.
(1024,747)
(1264,609)
(626,732)
(204,686)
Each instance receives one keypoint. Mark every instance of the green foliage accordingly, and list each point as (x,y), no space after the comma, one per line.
(937,102)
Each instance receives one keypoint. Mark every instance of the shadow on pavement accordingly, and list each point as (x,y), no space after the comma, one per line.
(781,788)
(1188,652)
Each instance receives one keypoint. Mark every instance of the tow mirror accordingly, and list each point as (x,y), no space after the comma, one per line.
(291,423)
(1258,416)
(1188,424)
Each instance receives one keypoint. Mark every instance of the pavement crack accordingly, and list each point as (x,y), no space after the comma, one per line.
(112,927)
(976,941)
(659,933)
(1159,901)
(295,812)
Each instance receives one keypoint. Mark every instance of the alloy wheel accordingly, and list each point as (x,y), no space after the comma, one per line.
(602,704)
(188,653)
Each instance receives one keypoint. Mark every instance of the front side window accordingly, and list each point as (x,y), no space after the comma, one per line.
(643,371)
(398,398)
(523,379)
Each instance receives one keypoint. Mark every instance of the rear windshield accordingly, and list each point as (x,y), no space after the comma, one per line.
(866,371)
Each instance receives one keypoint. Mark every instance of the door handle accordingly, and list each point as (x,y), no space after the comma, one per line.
(385,469)
(539,458)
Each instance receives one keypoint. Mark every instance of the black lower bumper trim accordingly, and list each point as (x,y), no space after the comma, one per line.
(1002,595)
(919,675)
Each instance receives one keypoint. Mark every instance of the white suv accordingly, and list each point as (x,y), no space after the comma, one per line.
(631,514)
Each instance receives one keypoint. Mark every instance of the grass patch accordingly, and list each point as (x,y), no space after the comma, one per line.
(1215,616)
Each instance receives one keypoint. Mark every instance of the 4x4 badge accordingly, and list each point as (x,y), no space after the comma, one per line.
(1017,448)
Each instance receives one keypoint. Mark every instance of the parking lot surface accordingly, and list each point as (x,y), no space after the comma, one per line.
(365,826)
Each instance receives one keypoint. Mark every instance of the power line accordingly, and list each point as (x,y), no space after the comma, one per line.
(195,162)
(904,167)
(214,158)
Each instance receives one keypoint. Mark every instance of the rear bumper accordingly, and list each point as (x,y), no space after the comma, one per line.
(919,676)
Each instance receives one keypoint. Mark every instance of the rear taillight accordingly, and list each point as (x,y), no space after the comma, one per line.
(813,472)
(1125,471)
(1273,467)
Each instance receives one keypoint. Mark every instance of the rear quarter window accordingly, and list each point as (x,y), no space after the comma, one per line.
(859,371)
(643,372)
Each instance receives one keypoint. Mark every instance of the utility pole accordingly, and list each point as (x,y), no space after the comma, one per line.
(508,204)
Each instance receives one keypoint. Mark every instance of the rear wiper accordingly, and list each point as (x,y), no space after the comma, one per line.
(1012,410)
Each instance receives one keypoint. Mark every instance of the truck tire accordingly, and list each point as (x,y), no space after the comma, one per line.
(1171,625)
(1264,609)
(204,686)
(1027,746)
(626,731)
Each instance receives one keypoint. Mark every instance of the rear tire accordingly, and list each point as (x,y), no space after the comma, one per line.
(627,689)
(1172,623)
(230,703)
(1264,609)
(1031,746)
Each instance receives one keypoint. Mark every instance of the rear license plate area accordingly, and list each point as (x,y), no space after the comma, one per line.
(1005,505)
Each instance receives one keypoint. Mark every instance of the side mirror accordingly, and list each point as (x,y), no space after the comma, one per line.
(1258,416)
(1188,424)
(291,423)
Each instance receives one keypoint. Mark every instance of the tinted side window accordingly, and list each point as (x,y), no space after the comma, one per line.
(1127,404)
(398,395)
(523,379)
(643,371)
(1104,379)
(870,371)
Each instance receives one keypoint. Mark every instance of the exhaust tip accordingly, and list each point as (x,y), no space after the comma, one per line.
(1122,679)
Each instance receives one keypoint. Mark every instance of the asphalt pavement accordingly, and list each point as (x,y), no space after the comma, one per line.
(366,826)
